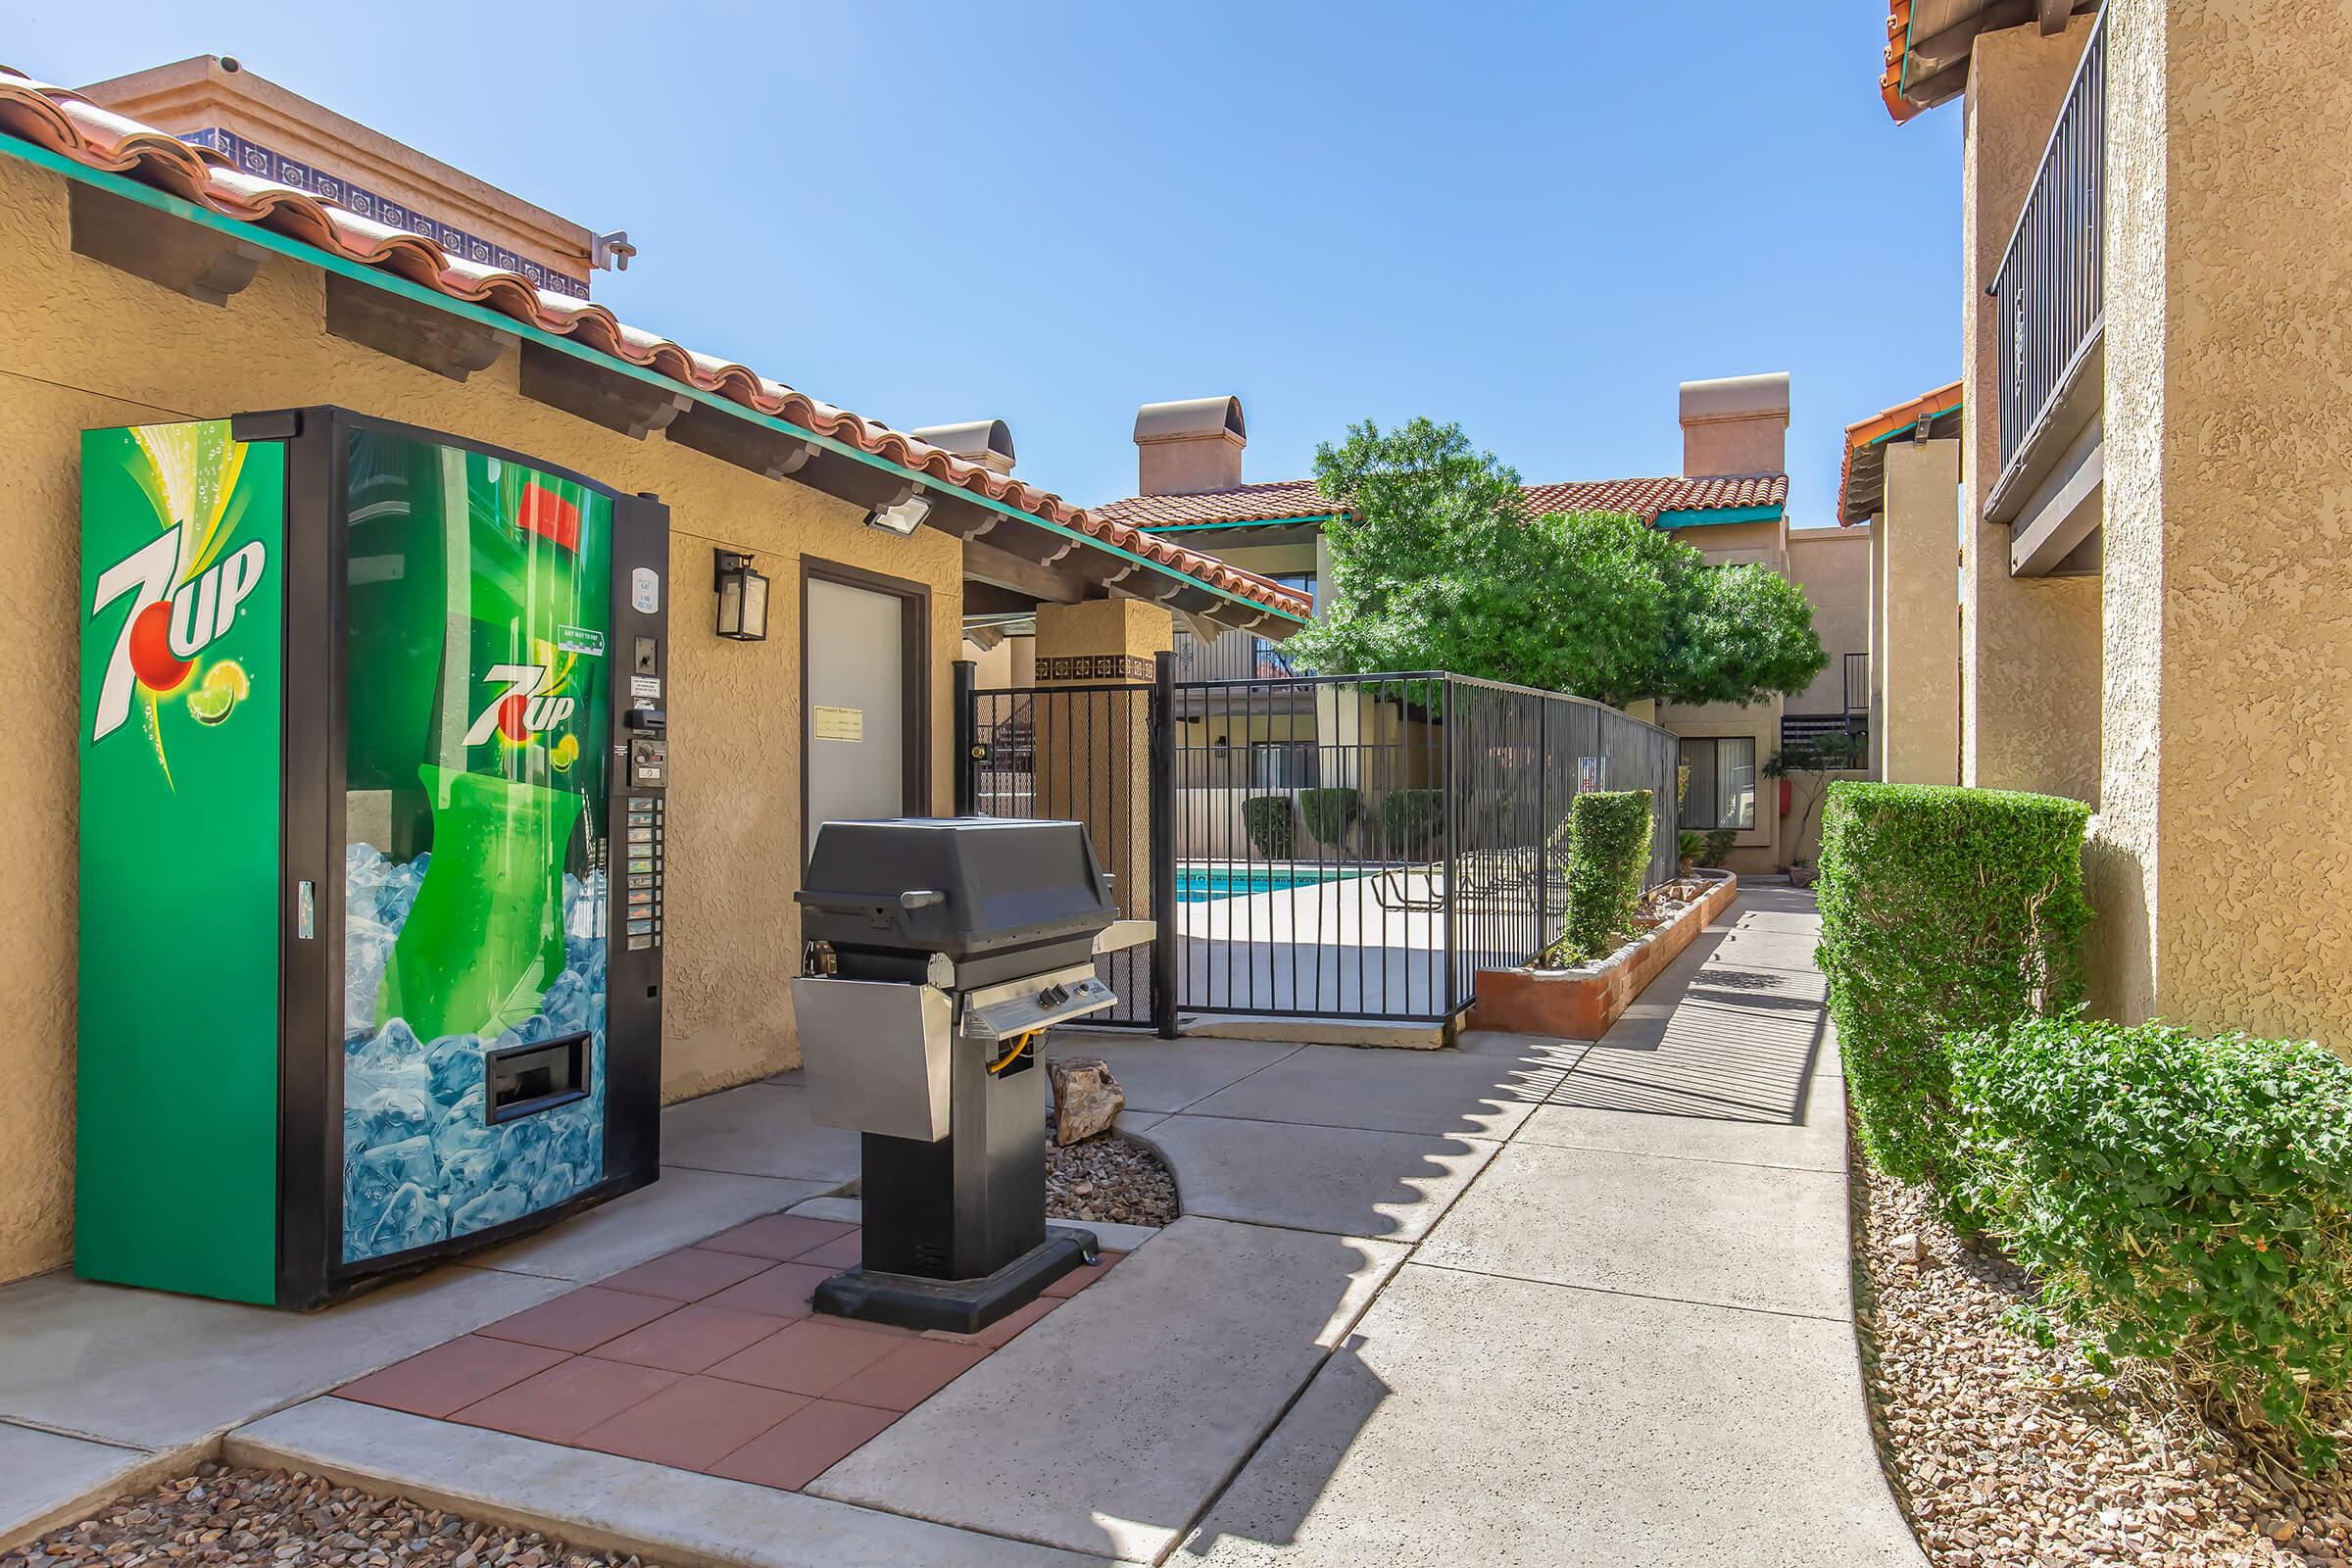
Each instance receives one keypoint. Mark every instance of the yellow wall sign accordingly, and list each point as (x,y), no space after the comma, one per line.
(839,723)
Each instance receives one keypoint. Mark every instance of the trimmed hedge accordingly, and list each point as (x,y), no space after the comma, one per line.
(1942,910)
(1271,830)
(1329,812)
(1408,823)
(1608,849)
(2184,1199)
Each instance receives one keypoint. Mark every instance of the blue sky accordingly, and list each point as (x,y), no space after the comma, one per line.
(1534,221)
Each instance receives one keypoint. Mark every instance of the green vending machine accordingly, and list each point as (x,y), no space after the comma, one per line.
(373,758)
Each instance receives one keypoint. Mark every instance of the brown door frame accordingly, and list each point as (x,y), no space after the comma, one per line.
(915,673)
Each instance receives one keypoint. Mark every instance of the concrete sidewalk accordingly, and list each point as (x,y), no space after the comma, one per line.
(1628,1339)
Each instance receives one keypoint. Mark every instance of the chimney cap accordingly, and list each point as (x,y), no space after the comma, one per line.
(1191,418)
(1736,397)
(987,441)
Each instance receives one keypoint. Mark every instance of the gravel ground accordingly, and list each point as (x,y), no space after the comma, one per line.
(2008,1454)
(224,1515)
(1108,1177)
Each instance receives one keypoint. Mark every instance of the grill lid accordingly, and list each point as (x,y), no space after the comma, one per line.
(964,886)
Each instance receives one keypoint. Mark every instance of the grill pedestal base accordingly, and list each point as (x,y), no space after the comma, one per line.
(956,1306)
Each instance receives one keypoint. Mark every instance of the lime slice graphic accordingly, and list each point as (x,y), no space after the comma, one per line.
(224,686)
(567,752)
(210,705)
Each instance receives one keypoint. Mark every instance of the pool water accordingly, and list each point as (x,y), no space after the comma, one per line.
(1196,884)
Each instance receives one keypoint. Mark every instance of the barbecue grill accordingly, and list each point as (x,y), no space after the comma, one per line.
(943,948)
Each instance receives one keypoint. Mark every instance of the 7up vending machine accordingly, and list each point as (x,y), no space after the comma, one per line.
(372,851)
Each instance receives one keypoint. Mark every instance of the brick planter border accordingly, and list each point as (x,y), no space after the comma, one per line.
(1582,1004)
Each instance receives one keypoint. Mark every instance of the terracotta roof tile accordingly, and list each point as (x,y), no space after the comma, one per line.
(62,122)
(1649,497)
(1278,501)
(1300,498)
(1860,434)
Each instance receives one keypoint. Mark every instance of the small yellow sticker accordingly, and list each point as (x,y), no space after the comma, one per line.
(839,723)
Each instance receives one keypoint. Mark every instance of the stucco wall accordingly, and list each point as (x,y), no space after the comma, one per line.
(1918,648)
(2223,865)
(1833,567)
(92,346)
(2030,646)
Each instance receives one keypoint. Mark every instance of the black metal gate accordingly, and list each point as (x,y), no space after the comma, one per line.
(1359,846)
(1087,752)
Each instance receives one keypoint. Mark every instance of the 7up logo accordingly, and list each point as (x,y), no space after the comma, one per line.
(520,711)
(168,625)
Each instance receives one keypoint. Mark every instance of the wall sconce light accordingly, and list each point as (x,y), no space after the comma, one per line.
(900,517)
(742,597)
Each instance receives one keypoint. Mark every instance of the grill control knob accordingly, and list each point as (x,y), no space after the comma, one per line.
(1053,995)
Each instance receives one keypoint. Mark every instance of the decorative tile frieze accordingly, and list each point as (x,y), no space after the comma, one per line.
(1097,666)
(264,163)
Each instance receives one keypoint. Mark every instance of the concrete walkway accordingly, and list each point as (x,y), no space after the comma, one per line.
(1529,1301)
(1629,1339)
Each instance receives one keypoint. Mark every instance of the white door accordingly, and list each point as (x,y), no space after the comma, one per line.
(854,734)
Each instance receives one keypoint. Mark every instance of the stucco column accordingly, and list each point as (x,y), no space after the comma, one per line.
(2029,646)
(2221,861)
(1094,748)
(1921,613)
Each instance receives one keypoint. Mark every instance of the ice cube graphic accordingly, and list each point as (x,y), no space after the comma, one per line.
(554,1184)
(369,1182)
(565,1004)
(389,1049)
(366,952)
(496,1206)
(455,1062)
(468,1173)
(393,1113)
(412,1218)
(462,1128)
(523,1151)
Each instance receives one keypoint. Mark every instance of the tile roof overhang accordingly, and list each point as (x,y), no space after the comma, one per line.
(1862,471)
(1928,42)
(1299,501)
(56,128)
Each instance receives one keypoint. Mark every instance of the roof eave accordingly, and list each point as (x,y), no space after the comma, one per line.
(259,234)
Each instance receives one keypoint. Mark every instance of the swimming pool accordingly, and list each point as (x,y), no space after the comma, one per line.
(1203,884)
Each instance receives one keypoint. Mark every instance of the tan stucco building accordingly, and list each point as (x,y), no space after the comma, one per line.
(2159,623)
(143,285)
(1729,502)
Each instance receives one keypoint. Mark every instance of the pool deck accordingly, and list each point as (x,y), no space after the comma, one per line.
(1343,947)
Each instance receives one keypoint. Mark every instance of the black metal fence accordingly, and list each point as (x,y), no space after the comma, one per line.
(1317,846)
(1079,753)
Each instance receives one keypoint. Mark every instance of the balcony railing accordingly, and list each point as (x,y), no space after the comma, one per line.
(2049,285)
(1236,655)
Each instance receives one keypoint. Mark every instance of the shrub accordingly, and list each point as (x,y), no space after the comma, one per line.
(1329,812)
(1408,823)
(2181,1199)
(1942,910)
(1270,830)
(1718,847)
(1608,849)
(1688,845)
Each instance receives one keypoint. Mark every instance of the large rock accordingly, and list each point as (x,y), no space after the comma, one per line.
(1087,1099)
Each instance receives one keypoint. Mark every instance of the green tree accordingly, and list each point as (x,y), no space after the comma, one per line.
(1437,565)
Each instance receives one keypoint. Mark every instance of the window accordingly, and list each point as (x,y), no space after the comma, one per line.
(1719,783)
(1268,661)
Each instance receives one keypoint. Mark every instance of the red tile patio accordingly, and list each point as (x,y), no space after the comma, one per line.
(707,1358)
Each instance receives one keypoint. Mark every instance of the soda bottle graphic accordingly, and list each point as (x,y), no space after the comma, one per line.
(514,758)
